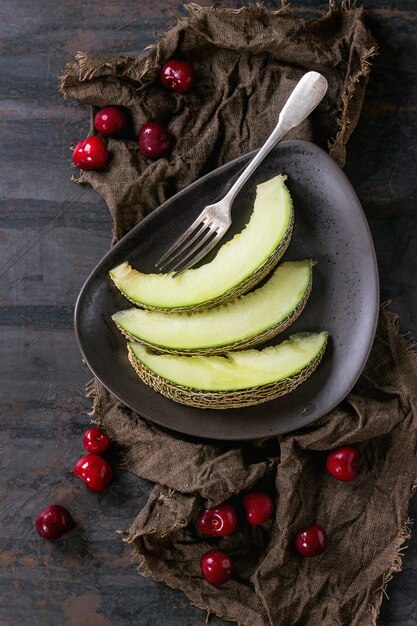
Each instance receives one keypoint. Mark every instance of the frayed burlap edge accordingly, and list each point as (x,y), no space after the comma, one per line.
(403,536)
(149,59)
(336,146)
(144,571)
(404,532)
(144,66)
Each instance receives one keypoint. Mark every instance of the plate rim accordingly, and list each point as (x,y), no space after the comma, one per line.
(374,281)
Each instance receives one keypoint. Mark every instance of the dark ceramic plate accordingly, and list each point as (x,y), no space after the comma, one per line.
(330,227)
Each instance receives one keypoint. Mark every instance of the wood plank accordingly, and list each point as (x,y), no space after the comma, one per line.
(52,233)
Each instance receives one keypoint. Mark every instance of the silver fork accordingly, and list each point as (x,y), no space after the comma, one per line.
(214,221)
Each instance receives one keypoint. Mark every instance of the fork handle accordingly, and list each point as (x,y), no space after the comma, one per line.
(306,95)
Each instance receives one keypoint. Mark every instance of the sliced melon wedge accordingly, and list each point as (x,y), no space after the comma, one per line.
(243,322)
(238,266)
(235,380)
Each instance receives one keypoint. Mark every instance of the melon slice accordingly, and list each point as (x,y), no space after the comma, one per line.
(238,266)
(235,380)
(243,322)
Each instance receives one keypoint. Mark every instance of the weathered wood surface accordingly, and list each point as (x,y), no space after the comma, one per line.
(52,233)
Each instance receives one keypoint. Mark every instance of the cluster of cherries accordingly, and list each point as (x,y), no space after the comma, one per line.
(95,471)
(221,521)
(154,138)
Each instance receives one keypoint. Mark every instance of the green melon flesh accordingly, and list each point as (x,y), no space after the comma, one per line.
(236,370)
(250,253)
(245,321)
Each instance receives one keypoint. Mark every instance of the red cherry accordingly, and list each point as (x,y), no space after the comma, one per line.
(177,76)
(312,541)
(342,463)
(110,121)
(219,521)
(53,522)
(154,140)
(91,154)
(95,440)
(217,567)
(94,471)
(258,506)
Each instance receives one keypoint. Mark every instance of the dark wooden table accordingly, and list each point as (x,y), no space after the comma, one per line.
(52,233)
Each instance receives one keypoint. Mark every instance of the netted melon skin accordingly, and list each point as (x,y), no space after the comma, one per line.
(246,285)
(249,342)
(222,399)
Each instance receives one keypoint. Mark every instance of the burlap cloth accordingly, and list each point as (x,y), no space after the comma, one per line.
(247,61)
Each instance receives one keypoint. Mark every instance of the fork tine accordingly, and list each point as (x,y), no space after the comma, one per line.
(198,222)
(190,253)
(201,254)
(185,246)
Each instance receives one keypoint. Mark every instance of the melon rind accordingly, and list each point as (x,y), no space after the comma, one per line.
(247,342)
(242,287)
(221,400)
